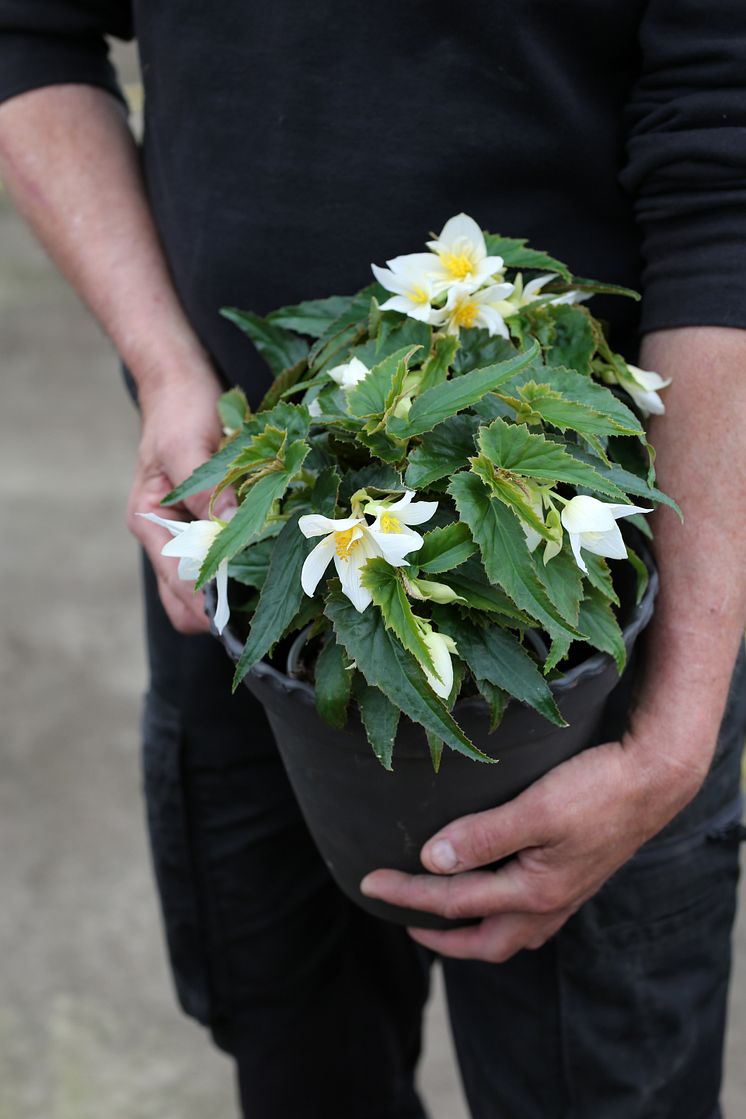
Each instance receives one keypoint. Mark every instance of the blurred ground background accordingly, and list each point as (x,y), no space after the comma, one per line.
(88,1023)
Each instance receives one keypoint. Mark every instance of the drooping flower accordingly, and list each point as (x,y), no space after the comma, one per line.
(591,524)
(643,385)
(191,541)
(461,255)
(466,308)
(440,647)
(411,281)
(349,374)
(391,528)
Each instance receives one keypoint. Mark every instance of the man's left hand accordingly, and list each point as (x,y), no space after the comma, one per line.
(568,833)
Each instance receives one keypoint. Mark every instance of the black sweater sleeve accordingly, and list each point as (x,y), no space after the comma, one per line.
(686,166)
(50,42)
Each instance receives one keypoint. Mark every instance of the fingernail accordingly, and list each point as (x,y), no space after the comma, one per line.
(442,855)
(368,888)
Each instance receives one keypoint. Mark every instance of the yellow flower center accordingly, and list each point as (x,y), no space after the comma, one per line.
(465,313)
(419,295)
(390,523)
(344,543)
(460,265)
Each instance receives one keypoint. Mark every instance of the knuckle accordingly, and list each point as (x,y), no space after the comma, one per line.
(478,841)
(456,906)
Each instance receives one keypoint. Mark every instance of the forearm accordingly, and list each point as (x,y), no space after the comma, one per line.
(701,609)
(70,163)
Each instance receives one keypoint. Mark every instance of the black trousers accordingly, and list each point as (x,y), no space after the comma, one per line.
(620,1016)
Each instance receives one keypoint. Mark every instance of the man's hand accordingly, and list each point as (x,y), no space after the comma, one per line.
(568,832)
(180,430)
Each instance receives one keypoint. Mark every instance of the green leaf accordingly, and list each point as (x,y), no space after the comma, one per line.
(565,399)
(384,583)
(574,343)
(279,348)
(324,493)
(435,745)
(233,409)
(444,549)
(496,699)
(375,476)
(641,571)
(312,317)
(494,655)
(558,650)
(293,418)
(470,582)
(250,566)
(279,600)
(512,491)
(516,254)
(282,385)
(478,348)
(435,368)
(379,717)
(506,558)
(563,583)
(438,403)
(386,665)
(373,395)
(624,479)
(252,513)
(333,681)
(442,452)
(513,447)
(599,576)
(598,621)
(598,287)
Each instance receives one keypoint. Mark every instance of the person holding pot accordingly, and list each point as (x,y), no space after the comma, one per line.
(285,147)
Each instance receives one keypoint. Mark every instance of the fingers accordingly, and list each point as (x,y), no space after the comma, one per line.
(493,940)
(459,896)
(486,837)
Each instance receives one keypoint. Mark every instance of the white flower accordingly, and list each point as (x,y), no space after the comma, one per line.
(410,279)
(462,255)
(349,374)
(350,542)
(591,524)
(440,646)
(466,308)
(391,529)
(642,386)
(191,541)
(314,408)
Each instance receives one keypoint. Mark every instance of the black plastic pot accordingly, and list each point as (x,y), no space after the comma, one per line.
(363,817)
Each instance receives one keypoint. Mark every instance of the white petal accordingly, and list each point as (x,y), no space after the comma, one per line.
(575,545)
(533,538)
(315,564)
(174,527)
(394,546)
(189,568)
(416,267)
(626,510)
(222,613)
(649,403)
(388,280)
(646,379)
(587,514)
(314,408)
(493,321)
(443,664)
(532,290)
(418,512)
(194,542)
(461,228)
(313,524)
(607,543)
(350,571)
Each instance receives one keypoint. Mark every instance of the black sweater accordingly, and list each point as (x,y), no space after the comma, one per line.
(289,144)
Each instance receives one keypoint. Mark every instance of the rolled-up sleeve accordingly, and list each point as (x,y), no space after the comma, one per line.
(50,42)
(686,162)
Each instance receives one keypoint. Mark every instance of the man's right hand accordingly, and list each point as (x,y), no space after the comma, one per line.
(180,430)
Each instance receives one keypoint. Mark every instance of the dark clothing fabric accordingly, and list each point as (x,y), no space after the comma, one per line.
(620,1016)
(288,145)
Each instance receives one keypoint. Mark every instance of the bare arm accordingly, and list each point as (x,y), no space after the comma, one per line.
(70,164)
(572,829)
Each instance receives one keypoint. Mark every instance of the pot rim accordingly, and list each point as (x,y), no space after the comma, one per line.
(594,665)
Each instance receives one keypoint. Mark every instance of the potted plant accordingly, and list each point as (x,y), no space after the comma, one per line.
(428,498)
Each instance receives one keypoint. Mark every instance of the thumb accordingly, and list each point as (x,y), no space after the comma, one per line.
(480,839)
